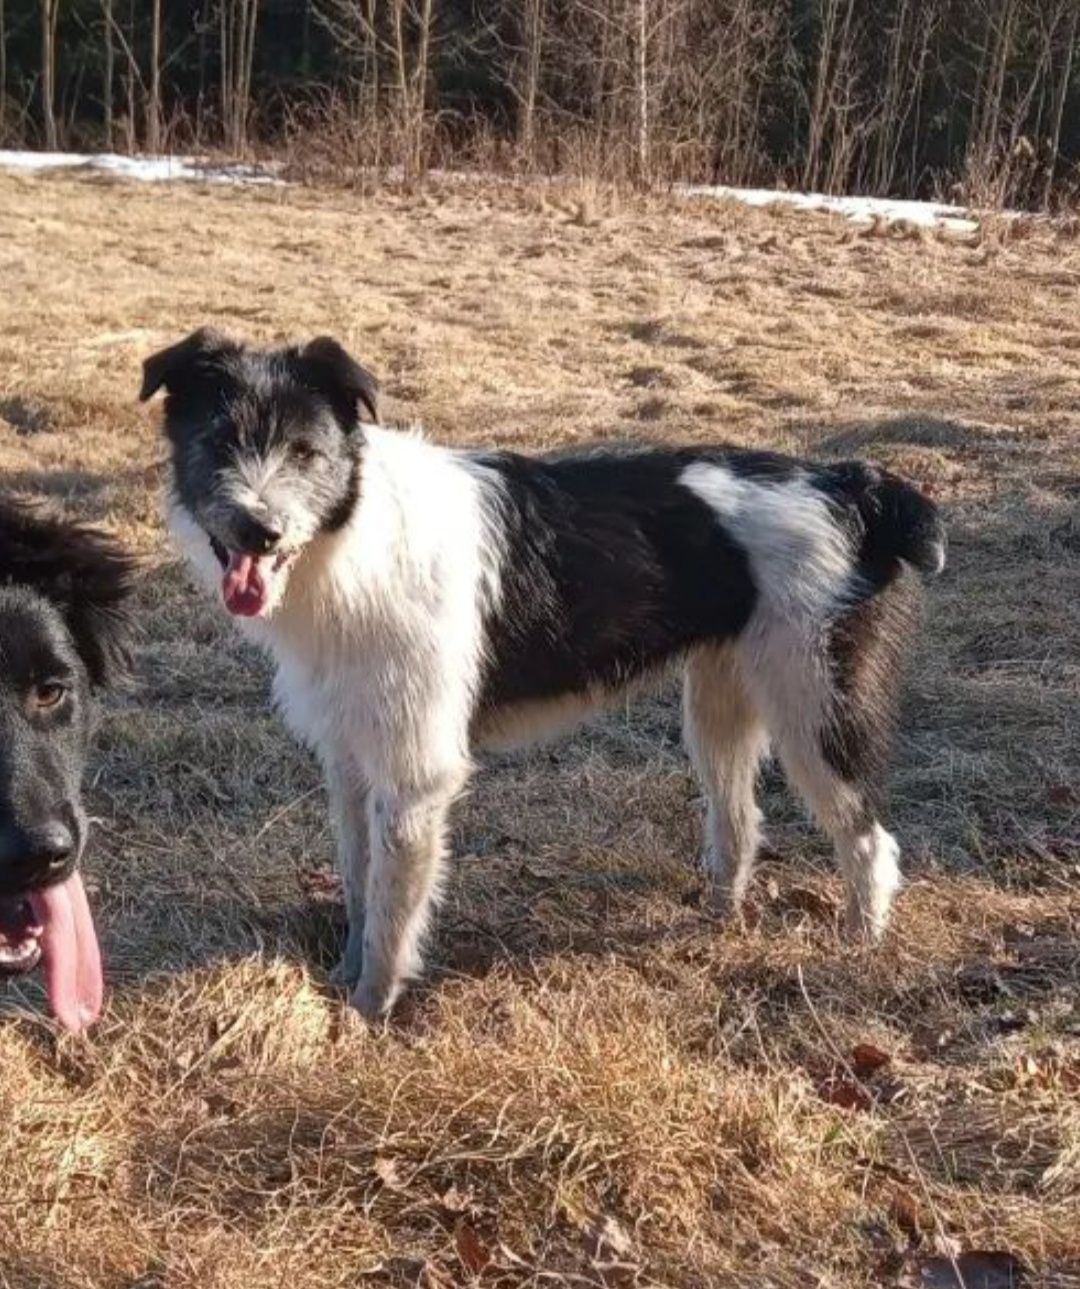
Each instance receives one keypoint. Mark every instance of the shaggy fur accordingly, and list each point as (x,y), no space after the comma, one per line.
(63,629)
(421,603)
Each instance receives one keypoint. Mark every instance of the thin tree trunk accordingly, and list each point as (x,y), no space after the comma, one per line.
(237,23)
(49,14)
(224,46)
(822,83)
(107,85)
(132,78)
(398,19)
(250,19)
(641,93)
(1059,105)
(891,118)
(3,66)
(996,94)
(534,29)
(153,106)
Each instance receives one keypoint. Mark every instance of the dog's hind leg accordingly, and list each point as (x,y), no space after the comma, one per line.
(829,706)
(726,741)
(348,806)
(408,844)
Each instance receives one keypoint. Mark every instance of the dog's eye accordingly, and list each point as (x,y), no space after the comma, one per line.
(49,694)
(301,450)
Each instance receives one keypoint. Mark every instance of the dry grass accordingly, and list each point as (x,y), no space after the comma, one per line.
(595,1085)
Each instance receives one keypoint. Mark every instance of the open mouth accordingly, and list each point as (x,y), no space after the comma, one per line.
(53,925)
(20,937)
(247,583)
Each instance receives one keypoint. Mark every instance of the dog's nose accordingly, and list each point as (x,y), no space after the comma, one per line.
(259,536)
(35,856)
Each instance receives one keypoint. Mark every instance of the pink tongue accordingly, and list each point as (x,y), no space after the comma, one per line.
(242,587)
(70,949)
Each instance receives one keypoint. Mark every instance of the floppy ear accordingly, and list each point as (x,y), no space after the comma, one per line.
(171,366)
(99,612)
(83,572)
(326,366)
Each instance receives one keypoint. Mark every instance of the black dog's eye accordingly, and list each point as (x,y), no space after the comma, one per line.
(302,450)
(48,694)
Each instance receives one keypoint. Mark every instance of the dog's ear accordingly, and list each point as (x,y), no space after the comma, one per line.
(98,613)
(83,572)
(171,367)
(326,367)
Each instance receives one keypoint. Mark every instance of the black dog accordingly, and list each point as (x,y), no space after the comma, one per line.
(64,591)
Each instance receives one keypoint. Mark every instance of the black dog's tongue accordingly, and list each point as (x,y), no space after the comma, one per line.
(69,946)
(55,926)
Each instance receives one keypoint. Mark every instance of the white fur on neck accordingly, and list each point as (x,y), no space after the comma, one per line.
(378,637)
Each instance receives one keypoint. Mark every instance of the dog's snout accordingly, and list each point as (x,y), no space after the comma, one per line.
(259,536)
(35,856)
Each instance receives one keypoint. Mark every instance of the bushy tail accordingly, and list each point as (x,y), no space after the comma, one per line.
(896,521)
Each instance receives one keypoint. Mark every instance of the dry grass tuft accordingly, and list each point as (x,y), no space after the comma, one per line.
(597,1084)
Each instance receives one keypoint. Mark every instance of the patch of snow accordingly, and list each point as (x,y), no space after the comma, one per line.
(925,214)
(144,169)
(863,210)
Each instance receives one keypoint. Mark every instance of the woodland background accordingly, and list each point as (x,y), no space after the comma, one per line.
(973,100)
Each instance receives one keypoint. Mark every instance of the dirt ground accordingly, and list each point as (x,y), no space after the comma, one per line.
(596,1083)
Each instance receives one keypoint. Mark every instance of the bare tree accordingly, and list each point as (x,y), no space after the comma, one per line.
(641,91)
(530,77)
(909,37)
(1060,95)
(50,15)
(403,39)
(3,67)
(830,143)
(152,131)
(238,20)
(108,74)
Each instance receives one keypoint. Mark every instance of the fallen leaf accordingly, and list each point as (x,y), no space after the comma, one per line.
(806,900)
(906,1211)
(321,884)
(1061,794)
(473,1252)
(866,1058)
(975,1270)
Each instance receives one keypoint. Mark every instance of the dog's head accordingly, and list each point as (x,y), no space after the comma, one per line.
(64,592)
(265,451)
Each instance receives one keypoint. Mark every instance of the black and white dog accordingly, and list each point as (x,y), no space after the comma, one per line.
(64,592)
(421,603)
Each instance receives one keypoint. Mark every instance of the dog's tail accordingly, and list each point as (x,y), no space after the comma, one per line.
(894,520)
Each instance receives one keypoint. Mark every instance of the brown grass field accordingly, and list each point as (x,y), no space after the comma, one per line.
(596,1084)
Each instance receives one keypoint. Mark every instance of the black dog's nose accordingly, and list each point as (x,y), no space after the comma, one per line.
(259,536)
(51,844)
(34,856)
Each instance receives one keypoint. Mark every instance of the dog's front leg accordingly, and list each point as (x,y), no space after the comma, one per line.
(348,807)
(407,833)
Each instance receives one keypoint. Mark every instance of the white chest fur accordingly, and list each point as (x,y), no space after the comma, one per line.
(378,638)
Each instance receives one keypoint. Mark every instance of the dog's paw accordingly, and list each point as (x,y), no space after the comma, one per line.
(725,900)
(349,970)
(374,999)
(346,974)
